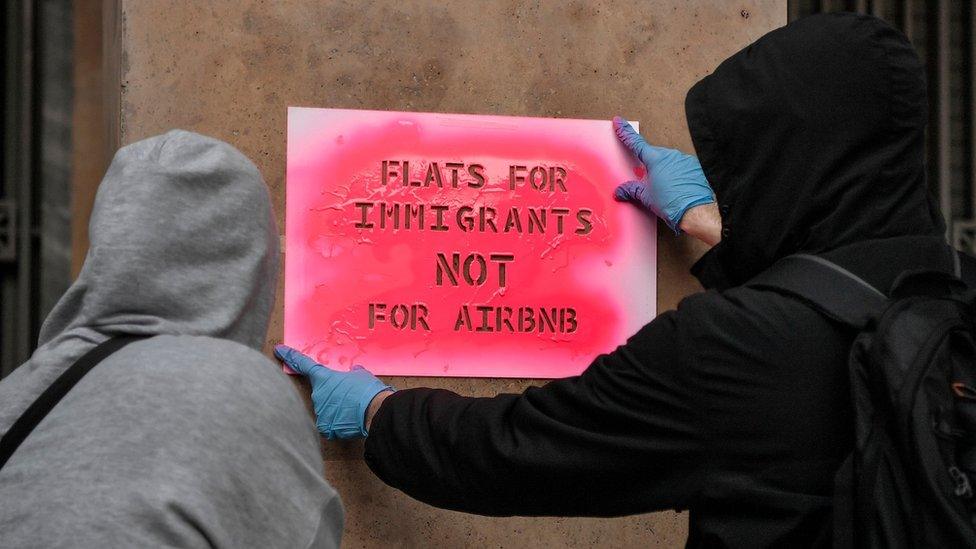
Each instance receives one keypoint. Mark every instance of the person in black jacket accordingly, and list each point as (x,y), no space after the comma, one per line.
(736,405)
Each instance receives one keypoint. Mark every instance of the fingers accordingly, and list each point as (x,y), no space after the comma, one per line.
(631,139)
(297,361)
(626,134)
(360,370)
(631,191)
(635,142)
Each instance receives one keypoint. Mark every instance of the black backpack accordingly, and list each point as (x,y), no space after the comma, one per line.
(911,478)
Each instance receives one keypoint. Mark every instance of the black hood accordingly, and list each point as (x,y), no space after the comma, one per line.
(813,139)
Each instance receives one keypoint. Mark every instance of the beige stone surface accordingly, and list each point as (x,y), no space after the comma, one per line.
(230,68)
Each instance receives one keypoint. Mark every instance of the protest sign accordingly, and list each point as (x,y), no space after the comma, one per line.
(461,245)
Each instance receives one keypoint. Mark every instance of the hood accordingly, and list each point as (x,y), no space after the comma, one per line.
(812,139)
(183,242)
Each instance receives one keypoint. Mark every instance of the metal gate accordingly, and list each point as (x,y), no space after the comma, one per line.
(34,170)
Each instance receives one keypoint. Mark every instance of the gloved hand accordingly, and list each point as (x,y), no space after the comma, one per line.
(674,181)
(340,399)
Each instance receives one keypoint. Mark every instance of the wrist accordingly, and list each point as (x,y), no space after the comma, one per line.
(703,222)
(374,406)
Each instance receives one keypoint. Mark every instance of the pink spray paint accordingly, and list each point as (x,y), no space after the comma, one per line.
(361,286)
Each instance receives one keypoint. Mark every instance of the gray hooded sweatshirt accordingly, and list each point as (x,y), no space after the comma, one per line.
(191,438)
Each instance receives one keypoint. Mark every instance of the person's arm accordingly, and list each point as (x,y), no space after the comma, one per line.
(624,437)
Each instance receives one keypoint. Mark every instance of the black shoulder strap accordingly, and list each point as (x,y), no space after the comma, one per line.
(827,287)
(53,394)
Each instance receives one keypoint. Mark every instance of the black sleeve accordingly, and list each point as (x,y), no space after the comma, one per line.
(621,438)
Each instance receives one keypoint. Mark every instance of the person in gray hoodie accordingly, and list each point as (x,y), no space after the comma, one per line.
(189,438)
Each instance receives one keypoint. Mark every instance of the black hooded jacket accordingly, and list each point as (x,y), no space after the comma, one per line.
(735,405)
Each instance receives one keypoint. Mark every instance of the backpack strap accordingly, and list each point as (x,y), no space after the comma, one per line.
(827,287)
(39,409)
(844,297)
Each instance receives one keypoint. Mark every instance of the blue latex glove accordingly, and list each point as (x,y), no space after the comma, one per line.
(340,399)
(674,181)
